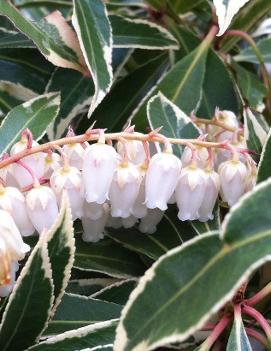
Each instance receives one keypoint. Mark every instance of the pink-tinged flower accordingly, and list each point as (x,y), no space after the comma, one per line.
(93,230)
(69,179)
(13,201)
(75,153)
(190,192)
(201,156)
(51,163)
(148,224)
(100,162)
(161,179)
(210,196)
(124,189)
(42,209)
(35,162)
(233,175)
(134,149)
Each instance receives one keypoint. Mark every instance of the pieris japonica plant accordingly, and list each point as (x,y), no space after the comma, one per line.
(135,175)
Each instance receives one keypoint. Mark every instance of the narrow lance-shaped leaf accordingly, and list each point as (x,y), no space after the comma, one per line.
(264,169)
(255,131)
(92,25)
(176,124)
(225,11)
(196,272)
(53,36)
(61,248)
(137,33)
(29,305)
(85,338)
(35,114)
(238,340)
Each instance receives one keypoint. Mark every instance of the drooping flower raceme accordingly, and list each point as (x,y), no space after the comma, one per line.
(233,175)
(69,179)
(161,179)
(124,189)
(100,162)
(190,192)
(42,207)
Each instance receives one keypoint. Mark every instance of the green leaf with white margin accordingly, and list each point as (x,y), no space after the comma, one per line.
(28,309)
(248,55)
(264,169)
(7,101)
(238,340)
(92,26)
(118,292)
(107,257)
(35,114)
(185,76)
(76,311)
(52,35)
(61,248)
(13,39)
(255,130)
(176,124)
(98,336)
(75,96)
(196,272)
(142,34)
(225,11)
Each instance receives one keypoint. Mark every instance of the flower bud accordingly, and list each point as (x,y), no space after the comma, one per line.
(135,150)
(161,179)
(124,190)
(229,119)
(42,209)
(94,229)
(51,163)
(13,201)
(100,162)
(189,192)
(201,156)
(148,224)
(92,210)
(210,196)
(69,179)
(75,153)
(35,162)
(129,222)
(233,175)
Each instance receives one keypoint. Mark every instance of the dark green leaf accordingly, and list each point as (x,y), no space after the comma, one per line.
(264,169)
(255,130)
(12,39)
(35,114)
(248,55)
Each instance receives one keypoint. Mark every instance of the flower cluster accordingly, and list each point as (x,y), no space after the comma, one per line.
(118,185)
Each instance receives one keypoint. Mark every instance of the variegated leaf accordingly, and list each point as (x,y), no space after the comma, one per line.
(225,11)
(92,25)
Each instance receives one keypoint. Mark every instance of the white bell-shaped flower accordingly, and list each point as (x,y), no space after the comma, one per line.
(148,224)
(100,162)
(13,201)
(5,290)
(75,153)
(210,196)
(35,162)
(201,156)
(6,174)
(229,119)
(161,179)
(69,179)
(52,163)
(134,149)
(129,222)
(172,199)
(139,209)
(42,209)
(93,230)
(233,175)
(124,189)
(222,155)
(190,192)
(92,210)
(114,222)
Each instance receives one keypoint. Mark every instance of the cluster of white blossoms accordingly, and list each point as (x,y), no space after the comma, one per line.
(120,185)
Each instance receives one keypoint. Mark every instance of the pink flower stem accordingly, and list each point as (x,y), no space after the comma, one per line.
(215,334)
(30,171)
(259,296)
(28,135)
(251,312)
